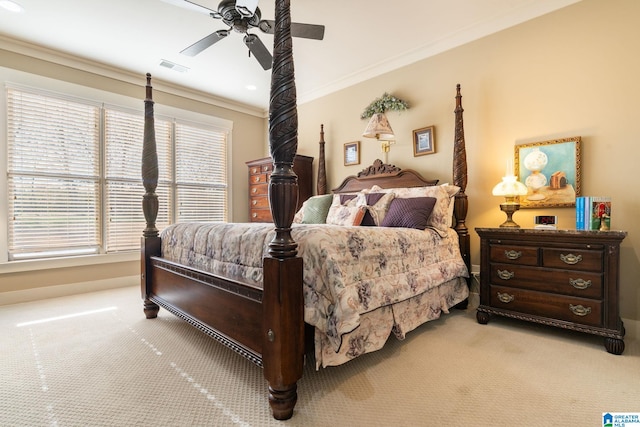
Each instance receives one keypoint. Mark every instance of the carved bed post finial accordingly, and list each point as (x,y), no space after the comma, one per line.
(149,165)
(322,172)
(460,179)
(283,136)
(282,298)
(150,237)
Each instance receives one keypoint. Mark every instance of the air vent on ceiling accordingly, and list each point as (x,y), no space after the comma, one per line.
(173,66)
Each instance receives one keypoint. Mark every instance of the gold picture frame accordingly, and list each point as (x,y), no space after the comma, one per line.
(551,170)
(424,141)
(352,153)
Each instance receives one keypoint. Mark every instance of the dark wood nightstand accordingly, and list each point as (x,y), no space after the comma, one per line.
(562,278)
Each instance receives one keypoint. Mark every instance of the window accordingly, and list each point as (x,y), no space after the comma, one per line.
(74,181)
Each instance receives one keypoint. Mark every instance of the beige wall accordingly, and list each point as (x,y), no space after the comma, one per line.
(570,73)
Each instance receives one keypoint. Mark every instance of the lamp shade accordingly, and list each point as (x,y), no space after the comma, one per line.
(509,187)
(379,128)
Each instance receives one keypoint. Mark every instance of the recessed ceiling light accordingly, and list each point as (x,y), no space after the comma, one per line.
(11,6)
(251,87)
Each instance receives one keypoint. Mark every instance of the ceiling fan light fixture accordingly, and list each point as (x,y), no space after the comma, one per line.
(11,6)
(246,8)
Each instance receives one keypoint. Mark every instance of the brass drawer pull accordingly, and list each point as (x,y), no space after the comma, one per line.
(505,274)
(254,202)
(512,254)
(579,310)
(255,215)
(580,283)
(254,190)
(505,297)
(570,259)
(257,179)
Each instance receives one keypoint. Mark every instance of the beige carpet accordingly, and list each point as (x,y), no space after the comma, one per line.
(115,368)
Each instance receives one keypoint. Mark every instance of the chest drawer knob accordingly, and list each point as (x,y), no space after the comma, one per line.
(512,254)
(505,274)
(505,297)
(255,215)
(254,190)
(580,283)
(579,310)
(570,259)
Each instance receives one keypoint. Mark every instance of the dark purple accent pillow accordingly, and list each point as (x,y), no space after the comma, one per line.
(344,198)
(409,213)
(372,199)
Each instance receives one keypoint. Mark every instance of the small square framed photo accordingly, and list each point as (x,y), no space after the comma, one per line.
(352,153)
(424,141)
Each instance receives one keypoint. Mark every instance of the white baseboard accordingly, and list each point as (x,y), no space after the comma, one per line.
(632,329)
(34,294)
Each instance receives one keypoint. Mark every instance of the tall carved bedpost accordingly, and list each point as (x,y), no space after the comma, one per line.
(322,172)
(150,239)
(460,179)
(283,325)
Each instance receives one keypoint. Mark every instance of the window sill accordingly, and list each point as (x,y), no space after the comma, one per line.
(48,264)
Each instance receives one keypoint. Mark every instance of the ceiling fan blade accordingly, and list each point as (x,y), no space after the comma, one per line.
(258,49)
(206,42)
(199,7)
(307,31)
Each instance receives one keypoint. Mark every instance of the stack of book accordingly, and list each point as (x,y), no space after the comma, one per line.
(593,213)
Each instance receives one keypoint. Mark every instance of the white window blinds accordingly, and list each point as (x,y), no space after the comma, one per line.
(201,174)
(74,175)
(53,176)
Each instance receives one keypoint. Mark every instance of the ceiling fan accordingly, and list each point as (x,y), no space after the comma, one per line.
(243,16)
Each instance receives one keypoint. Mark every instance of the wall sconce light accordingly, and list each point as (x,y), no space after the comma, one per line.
(380,129)
(511,189)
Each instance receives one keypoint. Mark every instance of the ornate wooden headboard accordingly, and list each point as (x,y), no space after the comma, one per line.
(385,176)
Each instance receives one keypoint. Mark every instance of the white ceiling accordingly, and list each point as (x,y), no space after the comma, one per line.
(362,38)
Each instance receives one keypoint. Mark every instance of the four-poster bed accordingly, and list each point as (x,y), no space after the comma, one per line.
(262,317)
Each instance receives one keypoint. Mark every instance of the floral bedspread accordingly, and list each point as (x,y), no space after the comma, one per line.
(348,271)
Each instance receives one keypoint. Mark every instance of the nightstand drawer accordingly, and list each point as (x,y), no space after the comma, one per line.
(579,310)
(573,259)
(262,178)
(253,170)
(261,202)
(260,215)
(573,283)
(522,255)
(259,190)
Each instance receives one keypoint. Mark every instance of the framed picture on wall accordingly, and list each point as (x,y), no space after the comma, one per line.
(551,172)
(424,141)
(352,153)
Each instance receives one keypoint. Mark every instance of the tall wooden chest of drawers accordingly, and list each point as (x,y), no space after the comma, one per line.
(259,173)
(563,278)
